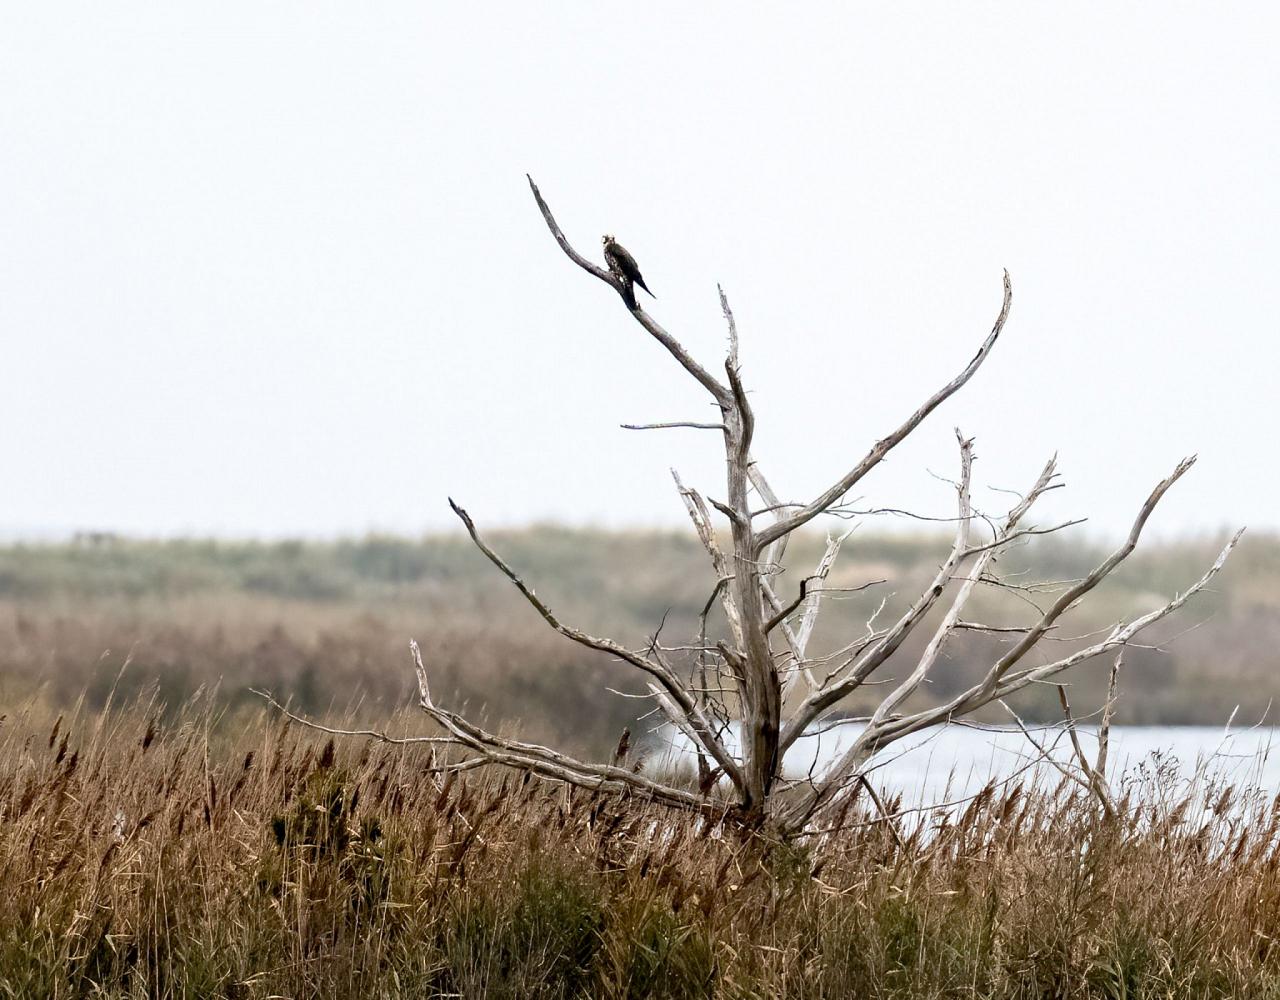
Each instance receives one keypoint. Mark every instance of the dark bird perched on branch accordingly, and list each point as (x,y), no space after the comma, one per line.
(622,264)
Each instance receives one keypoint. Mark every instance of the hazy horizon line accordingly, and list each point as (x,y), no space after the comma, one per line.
(17,535)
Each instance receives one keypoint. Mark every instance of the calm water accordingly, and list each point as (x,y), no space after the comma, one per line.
(955,761)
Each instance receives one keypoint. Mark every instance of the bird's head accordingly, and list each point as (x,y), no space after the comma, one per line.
(606,239)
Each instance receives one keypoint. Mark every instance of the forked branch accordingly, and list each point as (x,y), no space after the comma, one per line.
(666,680)
(786,525)
(545,761)
(708,381)
(875,738)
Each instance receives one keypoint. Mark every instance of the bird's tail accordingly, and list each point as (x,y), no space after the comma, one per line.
(646,288)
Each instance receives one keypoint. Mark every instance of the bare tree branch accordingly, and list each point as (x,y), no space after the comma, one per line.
(1121,635)
(665,678)
(785,612)
(708,381)
(809,617)
(545,761)
(882,447)
(872,739)
(809,604)
(868,741)
(673,424)
(1092,580)
(739,437)
(1044,753)
(701,519)
(930,656)
(1096,779)
(373,734)
(822,699)
(774,552)
(1108,711)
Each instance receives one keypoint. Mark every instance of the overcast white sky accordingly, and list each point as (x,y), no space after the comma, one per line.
(274,269)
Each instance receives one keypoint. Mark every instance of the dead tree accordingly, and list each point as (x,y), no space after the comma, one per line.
(758,674)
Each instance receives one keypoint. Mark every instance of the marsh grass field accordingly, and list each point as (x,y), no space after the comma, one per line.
(186,858)
(164,834)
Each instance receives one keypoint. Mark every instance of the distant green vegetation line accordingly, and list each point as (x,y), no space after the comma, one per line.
(327,623)
(104,565)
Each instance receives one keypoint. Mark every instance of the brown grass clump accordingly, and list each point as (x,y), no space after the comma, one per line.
(142,858)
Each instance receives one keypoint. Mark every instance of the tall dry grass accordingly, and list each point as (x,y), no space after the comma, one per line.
(195,857)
